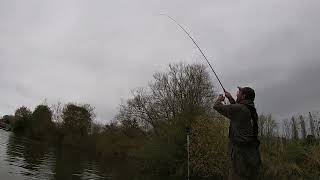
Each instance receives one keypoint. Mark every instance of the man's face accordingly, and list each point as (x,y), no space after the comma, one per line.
(240,96)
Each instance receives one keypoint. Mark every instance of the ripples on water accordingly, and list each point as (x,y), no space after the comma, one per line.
(22,158)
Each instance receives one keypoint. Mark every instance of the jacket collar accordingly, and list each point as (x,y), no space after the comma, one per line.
(247,102)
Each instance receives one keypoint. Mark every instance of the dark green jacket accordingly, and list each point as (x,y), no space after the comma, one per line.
(241,123)
(244,144)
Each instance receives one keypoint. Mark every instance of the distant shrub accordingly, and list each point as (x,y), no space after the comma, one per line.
(21,120)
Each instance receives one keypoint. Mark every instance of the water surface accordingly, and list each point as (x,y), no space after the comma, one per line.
(23,158)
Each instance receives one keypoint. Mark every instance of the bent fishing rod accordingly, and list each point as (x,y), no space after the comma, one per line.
(176,22)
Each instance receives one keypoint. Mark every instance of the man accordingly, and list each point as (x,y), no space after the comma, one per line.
(243,132)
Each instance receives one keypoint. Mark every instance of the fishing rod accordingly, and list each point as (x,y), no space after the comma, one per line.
(188,130)
(176,22)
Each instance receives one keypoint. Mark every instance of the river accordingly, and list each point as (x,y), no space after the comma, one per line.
(23,158)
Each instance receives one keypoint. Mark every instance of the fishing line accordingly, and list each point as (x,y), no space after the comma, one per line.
(176,22)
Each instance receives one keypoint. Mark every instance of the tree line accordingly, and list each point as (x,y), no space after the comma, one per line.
(299,127)
(75,124)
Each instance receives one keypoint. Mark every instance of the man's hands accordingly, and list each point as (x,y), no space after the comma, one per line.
(219,100)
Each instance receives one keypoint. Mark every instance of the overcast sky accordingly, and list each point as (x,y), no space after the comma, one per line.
(97,51)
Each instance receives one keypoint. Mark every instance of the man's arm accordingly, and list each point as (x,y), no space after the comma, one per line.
(228,111)
(225,110)
(230,98)
(219,100)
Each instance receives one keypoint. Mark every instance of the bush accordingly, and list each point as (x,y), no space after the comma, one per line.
(21,119)
(41,123)
(209,143)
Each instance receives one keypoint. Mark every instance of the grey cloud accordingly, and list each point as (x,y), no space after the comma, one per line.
(95,52)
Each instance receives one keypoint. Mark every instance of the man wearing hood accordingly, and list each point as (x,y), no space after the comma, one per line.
(243,132)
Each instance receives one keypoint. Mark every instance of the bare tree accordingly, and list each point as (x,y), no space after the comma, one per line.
(286,128)
(267,125)
(57,111)
(303,127)
(271,126)
(184,92)
(311,121)
(261,123)
(295,134)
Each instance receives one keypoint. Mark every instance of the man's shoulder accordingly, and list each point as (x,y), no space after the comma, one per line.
(233,106)
(239,107)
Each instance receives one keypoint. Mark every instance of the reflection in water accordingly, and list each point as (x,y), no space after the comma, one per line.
(22,158)
(73,164)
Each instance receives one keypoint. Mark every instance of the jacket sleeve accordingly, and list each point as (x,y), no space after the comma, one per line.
(228,111)
(231,100)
